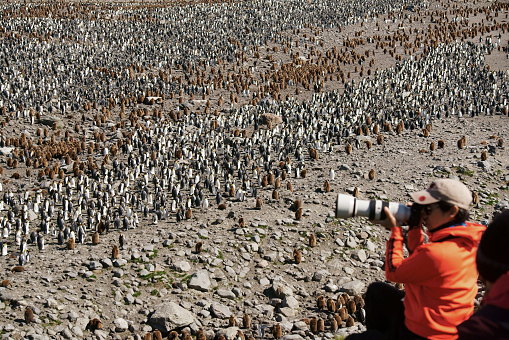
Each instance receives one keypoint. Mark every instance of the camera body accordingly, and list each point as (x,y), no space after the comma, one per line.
(349,206)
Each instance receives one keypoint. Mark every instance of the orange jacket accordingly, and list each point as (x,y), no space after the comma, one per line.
(440,277)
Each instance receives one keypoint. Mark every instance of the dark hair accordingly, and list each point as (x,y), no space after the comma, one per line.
(493,254)
(461,216)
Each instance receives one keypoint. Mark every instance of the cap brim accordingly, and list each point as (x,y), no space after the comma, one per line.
(423,197)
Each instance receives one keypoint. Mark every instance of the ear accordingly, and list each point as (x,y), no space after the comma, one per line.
(453,211)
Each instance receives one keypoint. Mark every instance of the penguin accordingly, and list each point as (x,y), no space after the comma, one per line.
(40,242)
(121,240)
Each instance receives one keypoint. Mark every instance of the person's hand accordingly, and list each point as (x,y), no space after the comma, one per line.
(389,222)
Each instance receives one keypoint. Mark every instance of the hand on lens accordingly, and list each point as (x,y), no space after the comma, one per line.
(389,222)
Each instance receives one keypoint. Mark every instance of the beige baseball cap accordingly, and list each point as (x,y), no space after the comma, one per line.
(446,190)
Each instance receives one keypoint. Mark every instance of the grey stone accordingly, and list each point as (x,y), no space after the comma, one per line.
(76,330)
(281,290)
(49,120)
(106,263)
(292,337)
(168,316)
(120,325)
(95,265)
(6,150)
(361,255)
(200,281)
(220,311)
(119,262)
(66,333)
(226,293)
(320,275)
(229,333)
(181,266)
(351,242)
(129,299)
(291,302)
(353,287)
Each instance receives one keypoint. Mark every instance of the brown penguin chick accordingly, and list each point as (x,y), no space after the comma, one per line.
(221,206)
(240,335)
(231,321)
(303,173)
(173,335)
(348,149)
(189,213)
(275,195)
(326,186)
(461,142)
(371,174)
(380,139)
(6,283)
(320,325)
(369,145)
(441,144)
(198,248)
(18,269)
(350,305)
(340,302)
(147,336)
(297,256)
(29,315)
(296,205)
(350,322)
(312,240)
(331,305)
(270,178)
(220,337)
(345,296)
(333,325)
(259,203)
(70,244)
(343,313)
(484,156)
(114,252)
(432,146)
(156,335)
(277,333)
(94,324)
(277,183)
(100,227)
(95,238)
(313,325)
(289,186)
(185,336)
(339,322)
(500,142)
(264,182)
(231,192)
(298,214)
(246,321)
(283,175)
(359,301)
(320,302)
(200,335)
(475,198)
(242,222)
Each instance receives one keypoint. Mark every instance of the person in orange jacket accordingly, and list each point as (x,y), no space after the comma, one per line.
(439,276)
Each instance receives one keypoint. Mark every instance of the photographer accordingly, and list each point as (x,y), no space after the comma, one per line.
(440,277)
(492,319)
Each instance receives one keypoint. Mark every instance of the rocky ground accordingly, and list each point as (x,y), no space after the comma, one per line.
(208,271)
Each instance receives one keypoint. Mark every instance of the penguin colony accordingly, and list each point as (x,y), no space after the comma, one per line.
(152,140)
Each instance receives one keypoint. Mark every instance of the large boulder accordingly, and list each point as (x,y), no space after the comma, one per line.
(200,281)
(169,316)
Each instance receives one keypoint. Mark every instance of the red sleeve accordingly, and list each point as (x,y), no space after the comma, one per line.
(415,239)
(403,270)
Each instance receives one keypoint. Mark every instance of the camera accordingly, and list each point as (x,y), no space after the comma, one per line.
(348,206)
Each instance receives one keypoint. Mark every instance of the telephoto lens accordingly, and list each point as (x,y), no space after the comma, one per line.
(349,206)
